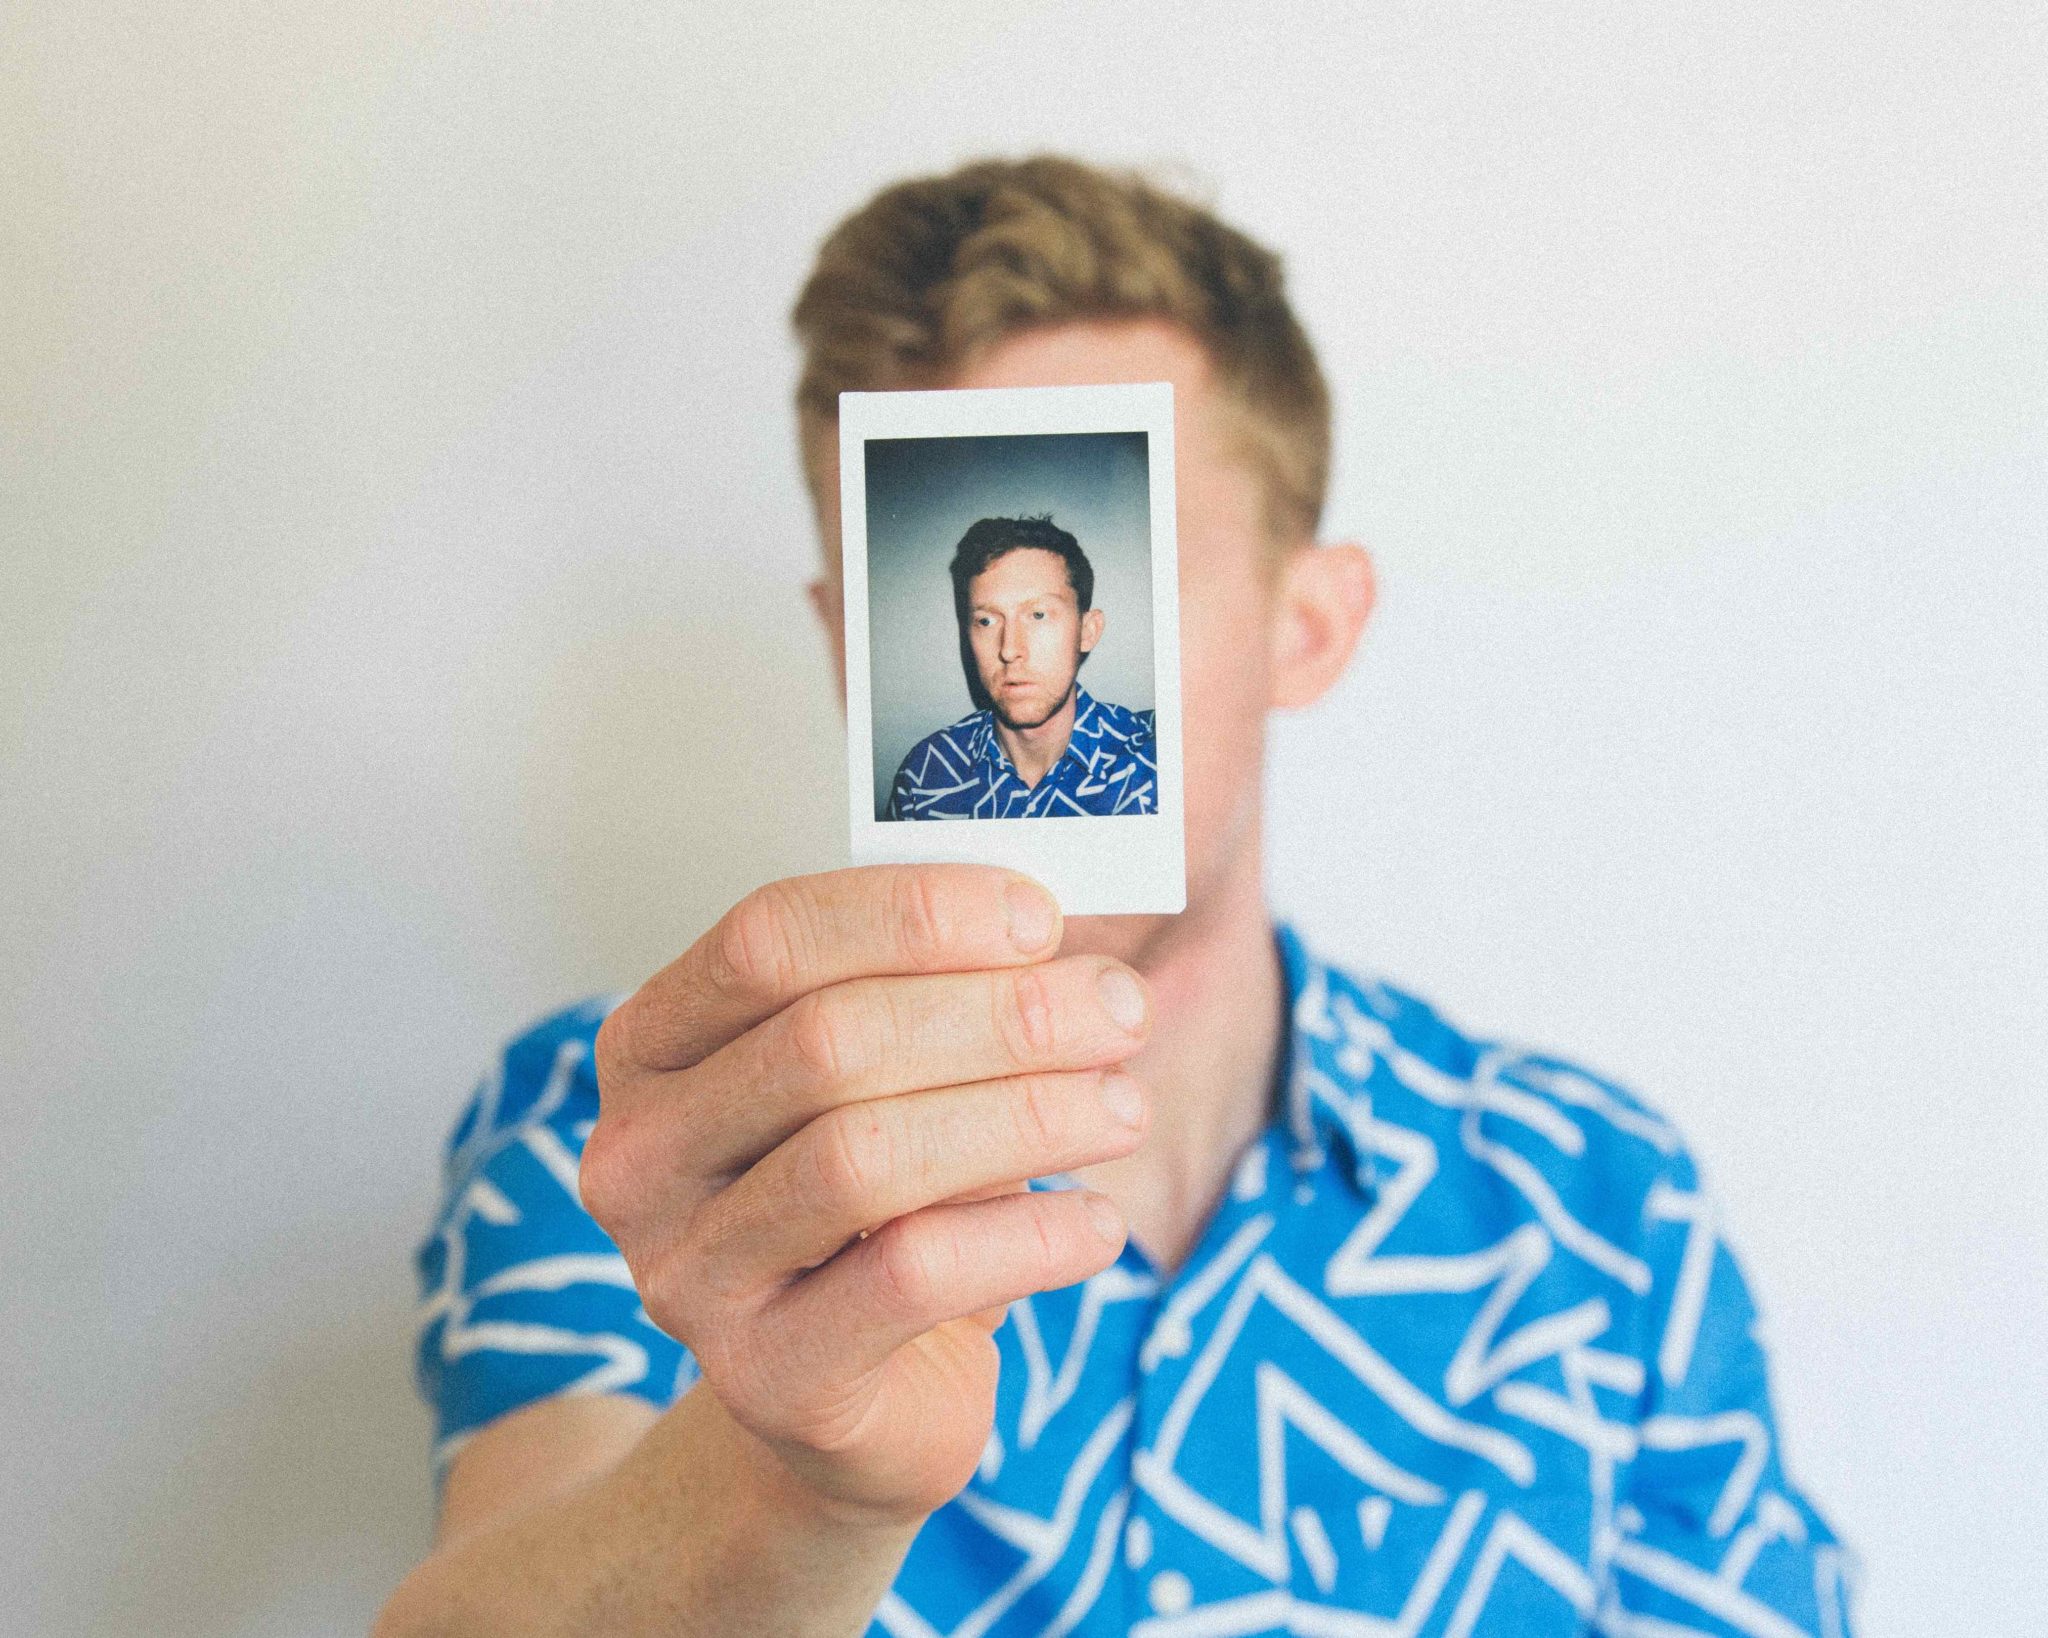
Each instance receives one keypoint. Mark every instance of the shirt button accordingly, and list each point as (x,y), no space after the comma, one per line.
(1170,1592)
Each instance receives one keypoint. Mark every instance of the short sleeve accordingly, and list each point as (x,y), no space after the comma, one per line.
(523,1296)
(1713,1536)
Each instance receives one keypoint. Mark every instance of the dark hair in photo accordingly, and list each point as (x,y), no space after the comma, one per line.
(988,539)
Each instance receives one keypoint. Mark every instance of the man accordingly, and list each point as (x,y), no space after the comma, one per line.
(1043,747)
(950,1268)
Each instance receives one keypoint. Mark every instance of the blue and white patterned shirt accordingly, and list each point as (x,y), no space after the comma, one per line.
(1460,1353)
(962,771)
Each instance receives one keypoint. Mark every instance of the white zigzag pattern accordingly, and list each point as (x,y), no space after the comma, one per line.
(621,1361)
(1510,1267)
(1043,1541)
(1262,1547)
(960,772)
(1045,1390)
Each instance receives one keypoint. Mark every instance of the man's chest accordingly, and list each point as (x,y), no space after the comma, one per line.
(1064,787)
(1258,1444)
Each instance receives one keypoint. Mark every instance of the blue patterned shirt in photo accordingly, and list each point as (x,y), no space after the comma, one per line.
(1461,1353)
(962,772)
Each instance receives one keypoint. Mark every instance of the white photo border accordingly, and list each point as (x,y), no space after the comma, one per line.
(1123,864)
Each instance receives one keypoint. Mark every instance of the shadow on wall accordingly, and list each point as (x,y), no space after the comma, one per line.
(299,1504)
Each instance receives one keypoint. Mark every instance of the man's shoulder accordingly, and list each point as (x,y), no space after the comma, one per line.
(542,1074)
(1121,723)
(1554,1128)
(951,744)
(936,778)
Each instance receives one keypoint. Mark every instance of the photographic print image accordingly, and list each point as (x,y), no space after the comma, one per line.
(1012,602)
(1010,626)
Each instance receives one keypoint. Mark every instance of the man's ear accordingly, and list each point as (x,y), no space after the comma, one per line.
(1091,629)
(827,601)
(1324,597)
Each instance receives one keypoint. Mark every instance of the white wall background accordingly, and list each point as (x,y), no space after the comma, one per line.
(398,502)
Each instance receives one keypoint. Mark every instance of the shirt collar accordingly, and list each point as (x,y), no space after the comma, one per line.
(1329,1054)
(1088,729)
(1326,1102)
(1082,744)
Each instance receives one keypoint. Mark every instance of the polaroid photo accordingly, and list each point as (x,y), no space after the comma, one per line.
(1013,636)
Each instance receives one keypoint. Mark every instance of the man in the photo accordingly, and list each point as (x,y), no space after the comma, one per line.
(1042,747)
(907,1258)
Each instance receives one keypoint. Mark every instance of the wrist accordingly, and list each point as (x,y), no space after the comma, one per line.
(770,1491)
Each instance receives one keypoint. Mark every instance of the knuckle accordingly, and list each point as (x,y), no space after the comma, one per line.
(1038,1117)
(850,1160)
(757,949)
(601,1181)
(669,1278)
(1048,1248)
(903,1268)
(667,1303)
(612,1051)
(1024,1017)
(823,1034)
(919,917)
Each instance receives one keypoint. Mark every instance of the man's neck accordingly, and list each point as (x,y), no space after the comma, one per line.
(1213,1060)
(1032,751)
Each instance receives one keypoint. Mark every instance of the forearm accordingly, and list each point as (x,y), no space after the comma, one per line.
(697,1530)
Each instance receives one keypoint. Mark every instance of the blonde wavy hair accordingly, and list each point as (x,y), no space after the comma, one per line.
(934,270)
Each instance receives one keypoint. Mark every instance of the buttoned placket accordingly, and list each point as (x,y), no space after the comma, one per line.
(1265,1182)
(1006,771)
(1275,1174)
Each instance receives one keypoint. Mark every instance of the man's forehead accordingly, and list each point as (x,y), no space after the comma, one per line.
(1073,352)
(1083,352)
(1022,572)
(1210,451)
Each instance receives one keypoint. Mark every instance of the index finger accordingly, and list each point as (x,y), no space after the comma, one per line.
(804,932)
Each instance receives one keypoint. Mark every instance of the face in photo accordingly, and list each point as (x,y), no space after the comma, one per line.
(1027,629)
(1040,745)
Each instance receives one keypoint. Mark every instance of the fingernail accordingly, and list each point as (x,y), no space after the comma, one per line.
(1123,1097)
(1032,914)
(1123,998)
(1103,1214)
